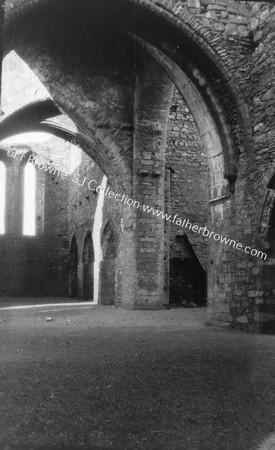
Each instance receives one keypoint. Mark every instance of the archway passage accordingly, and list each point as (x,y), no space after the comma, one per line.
(73,269)
(88,268)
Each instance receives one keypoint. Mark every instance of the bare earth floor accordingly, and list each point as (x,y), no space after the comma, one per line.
(106,378)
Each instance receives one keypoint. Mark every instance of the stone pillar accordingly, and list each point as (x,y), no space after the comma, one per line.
(152,103)
(167,237)
(16,197)
(11,177)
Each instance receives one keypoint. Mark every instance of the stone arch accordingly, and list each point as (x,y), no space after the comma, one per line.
(206,63)
(88,258)
(198,56)
(73,269)
(219,146)
(107,274)
(190,56)
(34,118)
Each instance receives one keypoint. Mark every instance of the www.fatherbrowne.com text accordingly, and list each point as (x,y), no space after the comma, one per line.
(123,198)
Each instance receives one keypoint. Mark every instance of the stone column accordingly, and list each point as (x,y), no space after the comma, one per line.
(152,103)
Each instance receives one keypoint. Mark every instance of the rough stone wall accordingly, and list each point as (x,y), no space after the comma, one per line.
(189,191)
(188,198)
(243,286)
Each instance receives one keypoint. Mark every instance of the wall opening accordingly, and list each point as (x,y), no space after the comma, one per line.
(29,228)
(96,237)
(188,283)
(73,269)
(2,197)
(88,267)
(108,266)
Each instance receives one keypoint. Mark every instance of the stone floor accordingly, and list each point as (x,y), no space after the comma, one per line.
(84,377)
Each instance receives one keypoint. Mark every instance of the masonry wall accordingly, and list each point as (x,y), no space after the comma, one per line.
(262,78)
(188,191)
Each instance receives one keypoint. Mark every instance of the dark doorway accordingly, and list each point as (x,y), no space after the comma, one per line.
(73,269)
(108,267)
(188,281)
(88,267)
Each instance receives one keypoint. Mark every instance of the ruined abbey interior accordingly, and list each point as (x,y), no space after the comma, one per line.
(129,128)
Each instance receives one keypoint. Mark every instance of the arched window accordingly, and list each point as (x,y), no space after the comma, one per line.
(29,228)
(2,196)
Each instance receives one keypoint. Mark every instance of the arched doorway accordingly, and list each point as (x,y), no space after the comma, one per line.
(88,268)
(73,269)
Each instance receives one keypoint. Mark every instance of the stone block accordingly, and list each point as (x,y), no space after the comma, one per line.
(225,317)
(242,319)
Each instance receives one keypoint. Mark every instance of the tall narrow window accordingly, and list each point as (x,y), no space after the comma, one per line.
(2,197)
(29,200)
